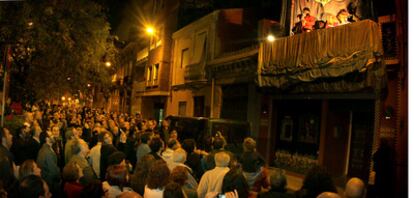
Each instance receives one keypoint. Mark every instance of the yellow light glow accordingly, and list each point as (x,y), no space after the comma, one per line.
(114,78)
(108,64)
(69,99)
(63,98)
(270,38)
(150,30)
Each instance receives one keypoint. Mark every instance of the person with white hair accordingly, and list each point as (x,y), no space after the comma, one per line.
(355,188)
(81,150)
(178,159)
(212,180)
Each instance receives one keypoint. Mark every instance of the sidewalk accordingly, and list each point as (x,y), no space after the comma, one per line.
(295,181)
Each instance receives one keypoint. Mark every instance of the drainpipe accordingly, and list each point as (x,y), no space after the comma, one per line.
(212,99)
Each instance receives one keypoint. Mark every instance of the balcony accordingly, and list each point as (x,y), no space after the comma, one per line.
(343,58)
(139,87)
(194,73)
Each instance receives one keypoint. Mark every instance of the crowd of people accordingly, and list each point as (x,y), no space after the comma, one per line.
(81,152)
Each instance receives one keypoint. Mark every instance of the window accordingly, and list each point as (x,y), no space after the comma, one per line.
(152,75)
(149,75)
(182,107)
(155,73)
(184,57)
(200,47)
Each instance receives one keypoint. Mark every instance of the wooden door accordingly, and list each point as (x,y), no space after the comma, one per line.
(336,144)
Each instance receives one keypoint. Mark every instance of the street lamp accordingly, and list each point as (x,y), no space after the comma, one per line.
(270,38)
(150,30)
(108,64)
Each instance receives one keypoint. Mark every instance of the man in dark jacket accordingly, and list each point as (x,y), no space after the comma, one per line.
(48,162)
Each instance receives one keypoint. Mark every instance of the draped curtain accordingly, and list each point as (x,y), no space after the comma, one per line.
(325,53)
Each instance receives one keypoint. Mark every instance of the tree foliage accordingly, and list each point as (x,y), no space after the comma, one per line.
(59,46)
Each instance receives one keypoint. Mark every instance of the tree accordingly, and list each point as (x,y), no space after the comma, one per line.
(58,46)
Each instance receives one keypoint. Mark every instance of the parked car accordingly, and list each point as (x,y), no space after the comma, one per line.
(202,130)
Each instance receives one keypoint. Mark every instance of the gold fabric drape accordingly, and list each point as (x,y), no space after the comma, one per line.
(326,53)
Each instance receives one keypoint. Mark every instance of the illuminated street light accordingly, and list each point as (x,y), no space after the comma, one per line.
(68,78)
(270,38)
(63,98)
(108,64)
(150,30)
(30,24)
(89,85)
(69,99)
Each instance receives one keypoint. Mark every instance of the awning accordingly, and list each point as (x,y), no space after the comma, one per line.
(315,57)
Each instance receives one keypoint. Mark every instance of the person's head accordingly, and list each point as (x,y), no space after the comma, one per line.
(117,158)
(179,175)
(173,190)
(218,143)
(106,137)
(174,134)
(277,180)
(72,172)
(70,133)
(328,195)
(29,167)
(129,194)
(145,137)
(235,180)
(26,130)
(154,124)
(249,145)
(179,156)
(36,129)
(189,145)
(173,144)
(305,11)
(165,123)
(93,189)
(117,175)
(158,176)
(317,180)
(6,137)
(55,131)
(342,16)
(355,188)
(45,138)
(144,164)
(156,144)
(221,159)
(34,186)
(80,147)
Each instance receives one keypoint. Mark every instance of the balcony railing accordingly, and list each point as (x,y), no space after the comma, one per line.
(194,72)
